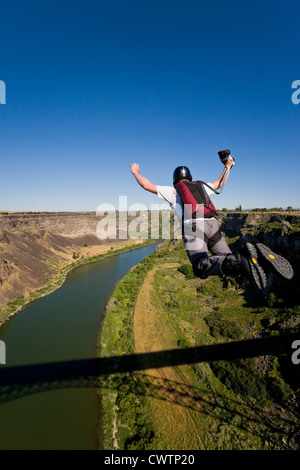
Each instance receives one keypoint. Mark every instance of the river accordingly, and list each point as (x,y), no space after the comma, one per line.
(61,326)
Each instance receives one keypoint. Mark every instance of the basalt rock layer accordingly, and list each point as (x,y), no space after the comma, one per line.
(280,231)
(34,246)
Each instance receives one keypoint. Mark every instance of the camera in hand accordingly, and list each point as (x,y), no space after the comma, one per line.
(224,155)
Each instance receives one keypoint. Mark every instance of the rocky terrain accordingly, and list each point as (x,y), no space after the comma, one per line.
(240,220)
(280,231)
(68,224)
(34,246)
(247,401)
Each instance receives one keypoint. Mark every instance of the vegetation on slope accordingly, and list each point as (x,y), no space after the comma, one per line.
(58,276)
(248,403)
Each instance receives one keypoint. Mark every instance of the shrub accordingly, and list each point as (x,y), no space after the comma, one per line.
(273,228)
(172,304)
(272,300)
(203,290)
(241,376)
(183,343)
(279,389)
(219,326)
(132,411)
(187,270)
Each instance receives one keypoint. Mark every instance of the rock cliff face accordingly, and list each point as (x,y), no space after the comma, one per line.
(34,246)
(235,221)
(5,270)
(250,227)
(69,224)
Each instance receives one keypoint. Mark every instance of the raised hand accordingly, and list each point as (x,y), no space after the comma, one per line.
(135,169)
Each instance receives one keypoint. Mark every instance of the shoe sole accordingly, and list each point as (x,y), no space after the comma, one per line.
(258,277)
(277,263)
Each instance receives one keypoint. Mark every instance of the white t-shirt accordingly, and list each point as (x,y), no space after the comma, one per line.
(172,196)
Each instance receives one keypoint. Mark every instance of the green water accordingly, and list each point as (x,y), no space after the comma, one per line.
(62,326)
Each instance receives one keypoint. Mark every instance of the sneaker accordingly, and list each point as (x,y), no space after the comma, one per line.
(231,266)
(251,269)
(274,262)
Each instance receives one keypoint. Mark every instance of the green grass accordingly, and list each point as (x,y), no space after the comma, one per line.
(276,228)
(121,394)
(241,399)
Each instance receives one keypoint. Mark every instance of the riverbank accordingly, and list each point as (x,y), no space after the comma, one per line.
(57,329)
(116,338)
(92,255)
(248,403)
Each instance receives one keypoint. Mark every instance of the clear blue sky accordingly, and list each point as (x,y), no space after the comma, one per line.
(95,85)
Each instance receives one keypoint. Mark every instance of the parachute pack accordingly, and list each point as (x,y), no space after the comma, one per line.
(195,199)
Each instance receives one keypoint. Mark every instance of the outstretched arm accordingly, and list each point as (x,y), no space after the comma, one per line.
(144,182)
(217,184)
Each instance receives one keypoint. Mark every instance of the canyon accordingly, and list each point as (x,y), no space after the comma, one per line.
(35,246)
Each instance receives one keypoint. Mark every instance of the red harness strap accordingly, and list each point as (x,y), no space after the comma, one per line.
(195,199)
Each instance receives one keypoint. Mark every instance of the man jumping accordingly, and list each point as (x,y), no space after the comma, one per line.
(202,234)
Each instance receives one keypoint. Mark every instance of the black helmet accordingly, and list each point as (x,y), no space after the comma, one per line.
(181,172)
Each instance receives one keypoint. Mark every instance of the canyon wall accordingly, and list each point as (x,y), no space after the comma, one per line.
(236,221)
(70,224)
(280,231)
(34,246)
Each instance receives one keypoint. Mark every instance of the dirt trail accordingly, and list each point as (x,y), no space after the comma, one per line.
(172,397)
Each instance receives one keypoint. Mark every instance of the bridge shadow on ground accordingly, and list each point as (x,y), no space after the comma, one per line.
(20,381)
(86,372)
(236,412)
